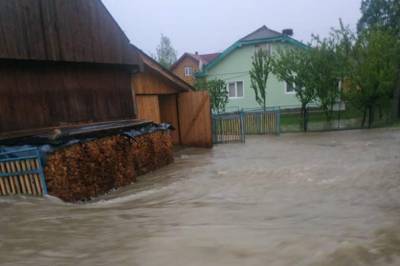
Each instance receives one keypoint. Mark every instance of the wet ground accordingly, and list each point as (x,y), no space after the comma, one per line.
(316,199)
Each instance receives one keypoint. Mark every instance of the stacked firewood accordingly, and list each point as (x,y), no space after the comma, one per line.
(86,170)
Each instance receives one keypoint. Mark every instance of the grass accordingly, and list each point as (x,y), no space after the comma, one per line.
(396,124)
(319,116)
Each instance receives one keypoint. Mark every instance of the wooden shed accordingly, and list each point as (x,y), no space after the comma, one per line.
(62,63)
(163,97)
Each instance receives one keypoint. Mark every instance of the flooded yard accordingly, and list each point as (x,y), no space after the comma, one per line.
(299,199)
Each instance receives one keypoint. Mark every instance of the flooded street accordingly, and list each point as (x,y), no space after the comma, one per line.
(316,199)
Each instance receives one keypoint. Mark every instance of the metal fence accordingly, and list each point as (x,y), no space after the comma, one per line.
(260,122)
(228,128)
(233,127)
(345,118)
(21,173)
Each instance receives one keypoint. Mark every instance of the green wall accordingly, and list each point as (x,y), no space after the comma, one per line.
(236,67)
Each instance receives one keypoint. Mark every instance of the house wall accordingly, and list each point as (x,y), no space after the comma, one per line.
(41,95)
(148,107)
(236,67)
(179,70)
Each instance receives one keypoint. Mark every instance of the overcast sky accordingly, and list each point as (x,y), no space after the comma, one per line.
(210,26)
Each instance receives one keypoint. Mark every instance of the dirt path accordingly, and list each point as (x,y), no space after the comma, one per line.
(315,199)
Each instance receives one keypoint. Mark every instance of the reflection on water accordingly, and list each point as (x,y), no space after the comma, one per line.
(315,199)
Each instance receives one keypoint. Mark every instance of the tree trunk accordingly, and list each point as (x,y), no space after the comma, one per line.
(364,118)
(370,116)
(396,101)
(265,103)
(305,117)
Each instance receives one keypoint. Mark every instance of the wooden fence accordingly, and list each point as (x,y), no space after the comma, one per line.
(195,119)
(21,173)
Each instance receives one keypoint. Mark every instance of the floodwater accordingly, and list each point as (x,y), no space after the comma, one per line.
(317,199)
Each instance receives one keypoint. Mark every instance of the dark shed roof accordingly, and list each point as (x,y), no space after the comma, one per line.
(261,33)
(62,30)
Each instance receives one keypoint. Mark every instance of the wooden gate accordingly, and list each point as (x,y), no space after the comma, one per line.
(195,119)
(21,173)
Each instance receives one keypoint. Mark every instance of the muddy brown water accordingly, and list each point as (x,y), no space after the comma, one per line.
(316,199)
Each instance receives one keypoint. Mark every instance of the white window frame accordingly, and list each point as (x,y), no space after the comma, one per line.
(289,92)
(186,70)
(236,81)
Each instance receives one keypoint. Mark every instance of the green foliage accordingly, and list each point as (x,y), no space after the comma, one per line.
(374,69)
(217,90)
(330,66)
(293,66)
(166,54)
(381,14)
(201,84)
(261,68)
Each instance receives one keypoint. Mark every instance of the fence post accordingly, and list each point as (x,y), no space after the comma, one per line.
(278,121)
(41,173)
(242,134)
(214,128)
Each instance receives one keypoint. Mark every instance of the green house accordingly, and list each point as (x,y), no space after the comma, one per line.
(233,66)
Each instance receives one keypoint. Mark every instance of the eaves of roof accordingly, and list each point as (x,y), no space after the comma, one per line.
(239,44)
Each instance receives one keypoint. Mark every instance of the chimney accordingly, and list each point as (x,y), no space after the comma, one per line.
(288,32)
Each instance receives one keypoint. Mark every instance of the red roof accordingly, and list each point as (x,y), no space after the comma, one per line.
(204,59)
(208,58)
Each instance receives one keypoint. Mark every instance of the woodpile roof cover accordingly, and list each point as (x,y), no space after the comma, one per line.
(62,30)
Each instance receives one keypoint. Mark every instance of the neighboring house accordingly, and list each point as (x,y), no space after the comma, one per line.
(234,64)
(189,64)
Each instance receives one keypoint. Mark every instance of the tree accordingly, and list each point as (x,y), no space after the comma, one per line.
(374,70)
(382,14)
(261,68)
(293,66)
(166,54)
(330,67)
(217,91)
(324,66)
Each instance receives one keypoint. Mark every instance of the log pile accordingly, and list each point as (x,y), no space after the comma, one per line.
(86,170)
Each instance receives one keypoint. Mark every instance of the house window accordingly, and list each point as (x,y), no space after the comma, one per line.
(290,88)
(236,89)
(266,47)
(188,71)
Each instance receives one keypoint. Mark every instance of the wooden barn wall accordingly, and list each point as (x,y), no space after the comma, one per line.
(34,95)
(62,30)
(169,114)
(151,82)
(195,119)
(148,107)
